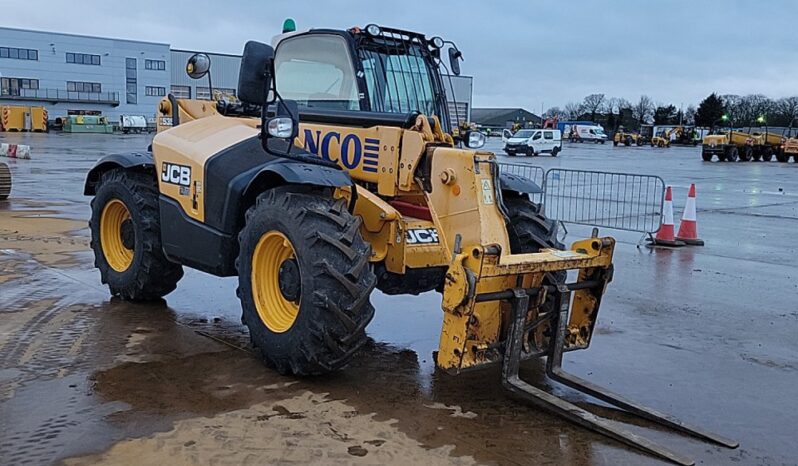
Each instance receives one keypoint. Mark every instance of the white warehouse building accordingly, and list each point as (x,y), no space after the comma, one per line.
(73,74)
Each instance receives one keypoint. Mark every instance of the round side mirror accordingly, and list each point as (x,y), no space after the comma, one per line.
(198,65)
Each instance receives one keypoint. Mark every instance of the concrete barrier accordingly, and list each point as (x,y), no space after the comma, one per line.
(15,151)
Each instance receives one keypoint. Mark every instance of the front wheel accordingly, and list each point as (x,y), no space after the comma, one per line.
(304,280)
(707,156)
(732,155)
(126,237)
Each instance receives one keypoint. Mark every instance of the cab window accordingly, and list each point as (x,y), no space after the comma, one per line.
(316,71)
(536,136)
(548,135)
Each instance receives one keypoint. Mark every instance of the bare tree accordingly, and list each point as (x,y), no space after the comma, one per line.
(554,112)
(594,104)
(787,110)
(689,115)
(731,106)
(751,107)
(572,110)
(643,110)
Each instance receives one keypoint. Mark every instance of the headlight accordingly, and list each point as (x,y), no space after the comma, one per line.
(437,42)
(281,127)
(475,139)
(373,30)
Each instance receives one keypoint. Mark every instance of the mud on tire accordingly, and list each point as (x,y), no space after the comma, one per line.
(150,275)
(336,280)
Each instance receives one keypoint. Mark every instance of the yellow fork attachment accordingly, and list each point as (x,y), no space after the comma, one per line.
(468,287)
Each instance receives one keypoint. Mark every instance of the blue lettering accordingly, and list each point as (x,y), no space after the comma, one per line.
(355,160)
(311,144)
(325,145)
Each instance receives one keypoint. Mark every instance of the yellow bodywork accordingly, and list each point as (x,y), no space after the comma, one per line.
(790,146)
(462,204)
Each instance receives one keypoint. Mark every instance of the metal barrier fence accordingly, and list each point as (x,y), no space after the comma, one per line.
(621,201)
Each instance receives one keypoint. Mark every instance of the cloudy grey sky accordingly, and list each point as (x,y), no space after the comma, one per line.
(522,53)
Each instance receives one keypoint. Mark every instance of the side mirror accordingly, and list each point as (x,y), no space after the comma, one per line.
(255,73)
(454,60)
(474,139)
(198,65)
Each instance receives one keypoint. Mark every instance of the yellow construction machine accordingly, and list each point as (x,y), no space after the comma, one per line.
(337,172)
(626,138)
(734,145)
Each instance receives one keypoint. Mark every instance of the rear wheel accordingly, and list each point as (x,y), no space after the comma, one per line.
(767,154)
(781,156)
(304,280)
(126,237)
(555,151)
(746,153)
(5,181)
(707,156)
(732,154)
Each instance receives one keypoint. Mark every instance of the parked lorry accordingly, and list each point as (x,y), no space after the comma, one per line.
(132,123)
(534,142)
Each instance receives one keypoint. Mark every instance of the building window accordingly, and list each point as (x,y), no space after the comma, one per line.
(19,54)
(131,81)
(204,94)
(155,91)
(181,92)
(16,86)
(159,65)
(82,58)
(79,86)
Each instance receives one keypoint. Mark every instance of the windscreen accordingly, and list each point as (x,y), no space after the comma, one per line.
(317,71)
(398,79)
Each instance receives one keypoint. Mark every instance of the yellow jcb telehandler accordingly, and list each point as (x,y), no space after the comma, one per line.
(334,173)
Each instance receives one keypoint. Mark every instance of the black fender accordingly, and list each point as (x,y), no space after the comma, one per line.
(518,183)
(131,160)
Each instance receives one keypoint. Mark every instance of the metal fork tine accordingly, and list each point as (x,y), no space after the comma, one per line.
(555,372)
(569,411)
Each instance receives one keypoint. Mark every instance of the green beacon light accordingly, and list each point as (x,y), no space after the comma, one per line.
(289,25)
(761,119)
(724,117)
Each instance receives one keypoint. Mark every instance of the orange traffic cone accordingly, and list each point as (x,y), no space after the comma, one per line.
(688,229)
(665,236)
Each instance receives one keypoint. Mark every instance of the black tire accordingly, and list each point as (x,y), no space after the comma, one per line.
(510,154)
(555,151)
(529,230)
(746,153)
(767,154)
(150,275)
(335,280)
(615,143)
(732,155)
(5,181)
(781,156)
(757,155)
(414,281)
(707,156)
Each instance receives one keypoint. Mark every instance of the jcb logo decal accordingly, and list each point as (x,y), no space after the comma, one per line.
(176,174)
(422,236)
(347,149)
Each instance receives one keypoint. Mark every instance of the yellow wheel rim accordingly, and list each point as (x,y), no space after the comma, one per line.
(276,311)
(114,215)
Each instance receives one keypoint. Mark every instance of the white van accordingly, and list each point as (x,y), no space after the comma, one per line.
(585,133)
(534,142)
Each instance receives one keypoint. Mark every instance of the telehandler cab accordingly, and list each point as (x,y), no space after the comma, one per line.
(335,172)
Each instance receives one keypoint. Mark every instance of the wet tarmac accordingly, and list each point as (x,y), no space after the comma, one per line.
(707,334)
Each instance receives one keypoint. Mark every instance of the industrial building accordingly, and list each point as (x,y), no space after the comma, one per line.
(74,74)
(504,117)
